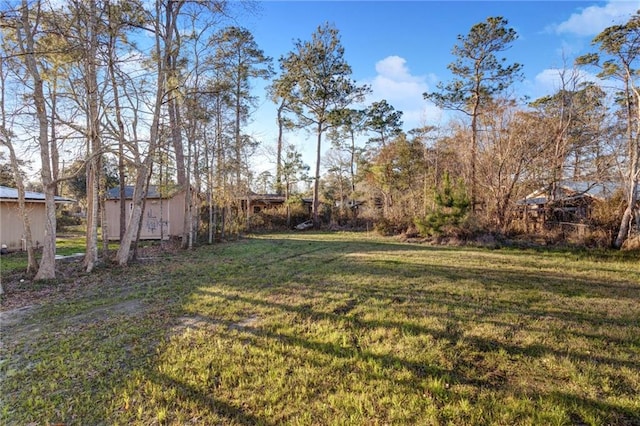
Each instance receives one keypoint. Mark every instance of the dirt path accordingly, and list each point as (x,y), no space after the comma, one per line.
(106,291)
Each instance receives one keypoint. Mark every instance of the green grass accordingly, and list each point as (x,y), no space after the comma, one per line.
(69,242)
(315,328)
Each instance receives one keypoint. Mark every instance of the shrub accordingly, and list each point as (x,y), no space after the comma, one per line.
(452,206)
(606,215)
(386,227)
(64,219)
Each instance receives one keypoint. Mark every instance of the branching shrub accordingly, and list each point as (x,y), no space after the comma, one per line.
(65,219)
(452,207)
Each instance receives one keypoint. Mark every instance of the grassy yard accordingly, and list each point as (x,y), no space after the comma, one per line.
(314,328)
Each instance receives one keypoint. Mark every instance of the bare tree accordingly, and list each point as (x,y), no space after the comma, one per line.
(620,47)
(6,136)
(315,80)
(508,148)
(26,30)
(145,162)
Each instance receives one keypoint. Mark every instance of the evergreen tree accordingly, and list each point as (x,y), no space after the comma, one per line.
(315,81)
(479,75)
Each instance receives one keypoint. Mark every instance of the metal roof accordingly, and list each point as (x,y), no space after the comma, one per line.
(114,193)
(7,193)
(601,190)
(569,190)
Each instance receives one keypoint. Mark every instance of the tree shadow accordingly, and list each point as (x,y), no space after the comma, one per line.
(614,414)
(282,279)
(453,334)
(229,412)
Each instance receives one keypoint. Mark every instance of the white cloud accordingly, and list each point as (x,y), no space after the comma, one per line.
(593,19)
(403,90)
(395,67)
(549,81)
(394,80)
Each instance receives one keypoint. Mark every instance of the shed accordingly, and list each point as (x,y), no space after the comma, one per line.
(11,224)
(572,202)
(163,215)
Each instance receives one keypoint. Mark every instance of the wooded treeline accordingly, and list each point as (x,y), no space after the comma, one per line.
(161,93)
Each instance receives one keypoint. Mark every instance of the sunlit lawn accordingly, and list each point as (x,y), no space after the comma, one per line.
(312,328)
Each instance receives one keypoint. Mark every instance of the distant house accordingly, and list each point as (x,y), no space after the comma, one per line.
(572,202)
(353,205)
(163,215)
(261,202)
(11,224)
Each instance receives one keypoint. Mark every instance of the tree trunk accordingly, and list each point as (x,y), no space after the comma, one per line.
(91,245)
(223,222)
(316,183)
(352,176)
(633,148)
(172,49)
(55,154)
(136,241)
(47,268)
(209,183)
(187,236)
(104,226)
(93,142)
(176,138)
(474,147)
(632,194)
(625,225)
(120,122)
(122,257)
(279,149)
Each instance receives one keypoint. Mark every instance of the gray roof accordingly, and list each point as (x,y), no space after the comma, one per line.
(7,193)
(601,190)
(114,193)
(573,190)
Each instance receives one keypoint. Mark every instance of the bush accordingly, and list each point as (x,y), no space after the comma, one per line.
(272,219)
(606,215)
(64,219)
(387,227)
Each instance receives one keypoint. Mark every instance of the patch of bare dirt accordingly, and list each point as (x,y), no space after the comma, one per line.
(22,296)
(249,322)
(14,316)
(199,322)
(20,290)
(128,307)
(193,322)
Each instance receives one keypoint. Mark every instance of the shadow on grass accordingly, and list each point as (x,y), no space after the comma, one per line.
(228,412)
(582,408)
(306,254)
(314,280)
(451,334)
(251,277)
(304,268)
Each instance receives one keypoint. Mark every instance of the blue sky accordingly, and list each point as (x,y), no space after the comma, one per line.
(402,49)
